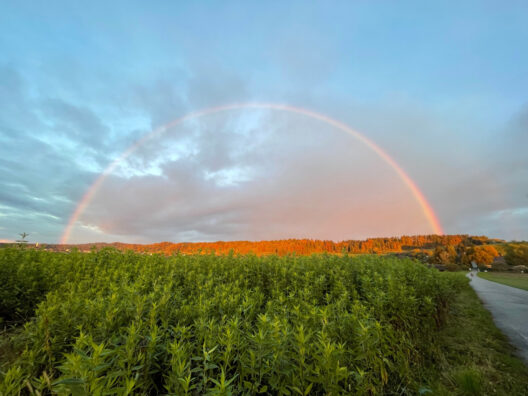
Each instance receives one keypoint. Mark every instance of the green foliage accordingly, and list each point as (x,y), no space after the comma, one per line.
(123,323)
(469,382)
(477,358)
(26,277)
(517,254)
(447,256)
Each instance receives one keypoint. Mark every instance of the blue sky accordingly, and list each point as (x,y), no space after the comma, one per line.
(441,86)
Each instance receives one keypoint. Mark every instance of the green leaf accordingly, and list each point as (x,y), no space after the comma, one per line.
(248,385)
(69,381)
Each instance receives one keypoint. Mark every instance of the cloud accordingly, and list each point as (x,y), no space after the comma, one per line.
(247,174)
(303,179)
(160,100)
(212,85)
(76,123)
(250,174)
(41,175)
(66,114)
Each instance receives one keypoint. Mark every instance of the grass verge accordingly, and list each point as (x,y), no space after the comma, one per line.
(478,359)
(520,281)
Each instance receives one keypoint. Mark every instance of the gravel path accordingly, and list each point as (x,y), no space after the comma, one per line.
(509,308)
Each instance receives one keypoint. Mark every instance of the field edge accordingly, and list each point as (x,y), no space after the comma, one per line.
(478,358)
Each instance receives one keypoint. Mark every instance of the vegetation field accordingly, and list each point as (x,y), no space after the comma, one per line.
(119,323)
(517,280)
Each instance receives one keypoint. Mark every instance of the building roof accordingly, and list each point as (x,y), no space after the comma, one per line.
(499,260)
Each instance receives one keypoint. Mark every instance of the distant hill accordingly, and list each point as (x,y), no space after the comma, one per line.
(287,246)
(446,252)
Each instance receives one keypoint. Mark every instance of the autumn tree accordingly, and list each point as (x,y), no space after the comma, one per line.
(446,255)
(517,254)
(483,254)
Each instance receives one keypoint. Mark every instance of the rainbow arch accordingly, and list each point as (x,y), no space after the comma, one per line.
(411,185)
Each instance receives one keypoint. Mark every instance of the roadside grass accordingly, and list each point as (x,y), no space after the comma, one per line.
(520,281)
(477,357)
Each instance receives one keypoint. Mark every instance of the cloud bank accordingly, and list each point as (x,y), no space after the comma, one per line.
(74,96)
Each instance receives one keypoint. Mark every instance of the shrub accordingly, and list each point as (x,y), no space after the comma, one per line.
(128,323)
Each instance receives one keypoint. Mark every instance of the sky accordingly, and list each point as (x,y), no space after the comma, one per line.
(440,86)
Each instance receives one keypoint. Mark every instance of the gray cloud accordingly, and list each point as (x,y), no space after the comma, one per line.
(305,180)
(40,180)
(77,123)
(244,175)
(211,85)
(160,100)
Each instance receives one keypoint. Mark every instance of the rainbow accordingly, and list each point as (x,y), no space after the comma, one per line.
(418,195)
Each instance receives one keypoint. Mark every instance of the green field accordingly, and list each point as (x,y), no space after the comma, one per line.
(517,280)
(122,323)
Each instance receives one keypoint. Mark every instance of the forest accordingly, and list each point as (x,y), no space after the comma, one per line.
(453,252)
(288,246)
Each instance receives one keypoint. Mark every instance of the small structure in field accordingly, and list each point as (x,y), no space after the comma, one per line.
(499,264)
(499,260)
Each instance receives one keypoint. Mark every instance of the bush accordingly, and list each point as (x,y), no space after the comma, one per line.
(517,254)
(129,323)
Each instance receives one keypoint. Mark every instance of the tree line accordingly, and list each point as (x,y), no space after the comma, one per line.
(298,246)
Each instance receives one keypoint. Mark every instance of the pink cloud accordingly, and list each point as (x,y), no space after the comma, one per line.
(306,180)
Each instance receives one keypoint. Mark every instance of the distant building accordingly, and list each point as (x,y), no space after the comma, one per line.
(499,260)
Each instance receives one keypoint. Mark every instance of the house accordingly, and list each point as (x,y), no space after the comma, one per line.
(499,264)
(499,260)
